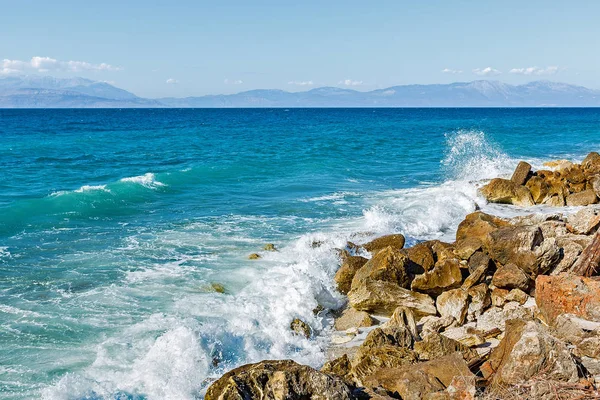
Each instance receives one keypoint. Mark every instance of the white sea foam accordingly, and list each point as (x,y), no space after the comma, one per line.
(83,189)
(147,180)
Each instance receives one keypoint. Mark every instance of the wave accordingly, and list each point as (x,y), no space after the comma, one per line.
(147,180)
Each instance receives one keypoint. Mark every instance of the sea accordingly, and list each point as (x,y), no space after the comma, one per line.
(117,226)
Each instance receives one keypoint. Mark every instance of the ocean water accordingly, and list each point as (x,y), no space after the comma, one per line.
(114,224)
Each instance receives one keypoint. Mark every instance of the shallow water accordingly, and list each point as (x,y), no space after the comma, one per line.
(115,223)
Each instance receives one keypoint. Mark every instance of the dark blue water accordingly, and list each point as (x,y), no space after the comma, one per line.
(115,223)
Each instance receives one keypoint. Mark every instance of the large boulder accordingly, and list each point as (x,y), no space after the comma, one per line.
(591,163)
(421,258)
(388,265)
(352,318)
(384,297)
(346,272)
(453,303)
(505,191)
(479,225)
(445,275)
(396,241)
(583,198)
(434,346)
(278,380)
(367,363)
(539,189)
(529,350)
(567,294)
(510,276)
(584,221)
(521,173)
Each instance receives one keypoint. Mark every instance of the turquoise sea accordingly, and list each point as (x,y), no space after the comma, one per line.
(115,223)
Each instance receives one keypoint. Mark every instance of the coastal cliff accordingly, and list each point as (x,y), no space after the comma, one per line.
(510,309)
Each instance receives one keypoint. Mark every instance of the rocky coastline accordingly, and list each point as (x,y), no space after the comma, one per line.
(509,310)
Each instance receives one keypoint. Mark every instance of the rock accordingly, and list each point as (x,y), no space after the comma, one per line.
(510,276)
(479,225)
(495,317)
(498,296)
(538,188)
(445,275)
(567,294)
(578,331)
(380,337)
(584,221)
(352,318)
(254,256)
(345,274)
(269,247)
(371,362)
(570,253)
(525,247)
(388,265)
(396,241)
(528,350)
(479,259)
(421,258)
(475,276)
(504,191)
(591,163)
(384,297)
(583,198)
(414,382)
(435,345)
(465,248)
(594,184)
(340,366)
(453,303)
(462,388)
(217,287)
(517,295)
(559,164)
(277,380)
(521,173)
(402,319)
(467,335)
(479,300)
(301,328)
(435,324)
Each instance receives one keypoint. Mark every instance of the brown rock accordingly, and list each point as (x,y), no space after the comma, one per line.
(434,346)
(277,380)
(521,173)
(301,328)
(269,247)
(352,318)
(396,241)
(421,258)
(517,295)
(445,275)
(504,191)
(371,362)
(340,366)
(384,297)
(453,303)
(510,276)
(465,248)
(254,256)
(591,163)
(567,294)
(584,221)
(344,275)
(479,259)
(539,189)
(475,277)
(583,198)
(498,296)
(558,164)
(479,300)
(388,265)
(402,319)
(479,225)
(528,350)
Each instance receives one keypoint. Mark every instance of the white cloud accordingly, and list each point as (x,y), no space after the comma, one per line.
(46,64)
(172,81)
(489,71)
(551,70)
(301,83)
(233,81)
(452,71)
(350,82)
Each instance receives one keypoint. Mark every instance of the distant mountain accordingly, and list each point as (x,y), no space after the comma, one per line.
(49,92)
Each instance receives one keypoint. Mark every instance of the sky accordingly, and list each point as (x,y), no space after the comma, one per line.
(181,48)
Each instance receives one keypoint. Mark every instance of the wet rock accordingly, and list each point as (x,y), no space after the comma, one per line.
(567,294)
(278,380)
(528,350)
(254,256)
(352,318)
(269,247)
(504,191)
(521,173)
(479,225)
(421,258)
(347,270)
(583,198)
(301,328)
(384,297)
(395,241)
(417,381)
(538,188)
(388,265)
(445,275)
(510,276)
(584,221)
(453,303)
(217,287)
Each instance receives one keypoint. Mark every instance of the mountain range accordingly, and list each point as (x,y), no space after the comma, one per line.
(50,92)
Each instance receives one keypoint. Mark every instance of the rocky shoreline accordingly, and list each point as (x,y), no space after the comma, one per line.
(510,309)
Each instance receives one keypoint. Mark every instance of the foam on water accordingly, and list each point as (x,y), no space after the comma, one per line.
(147,180)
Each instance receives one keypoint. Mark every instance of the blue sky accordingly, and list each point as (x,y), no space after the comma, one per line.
(185,48)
